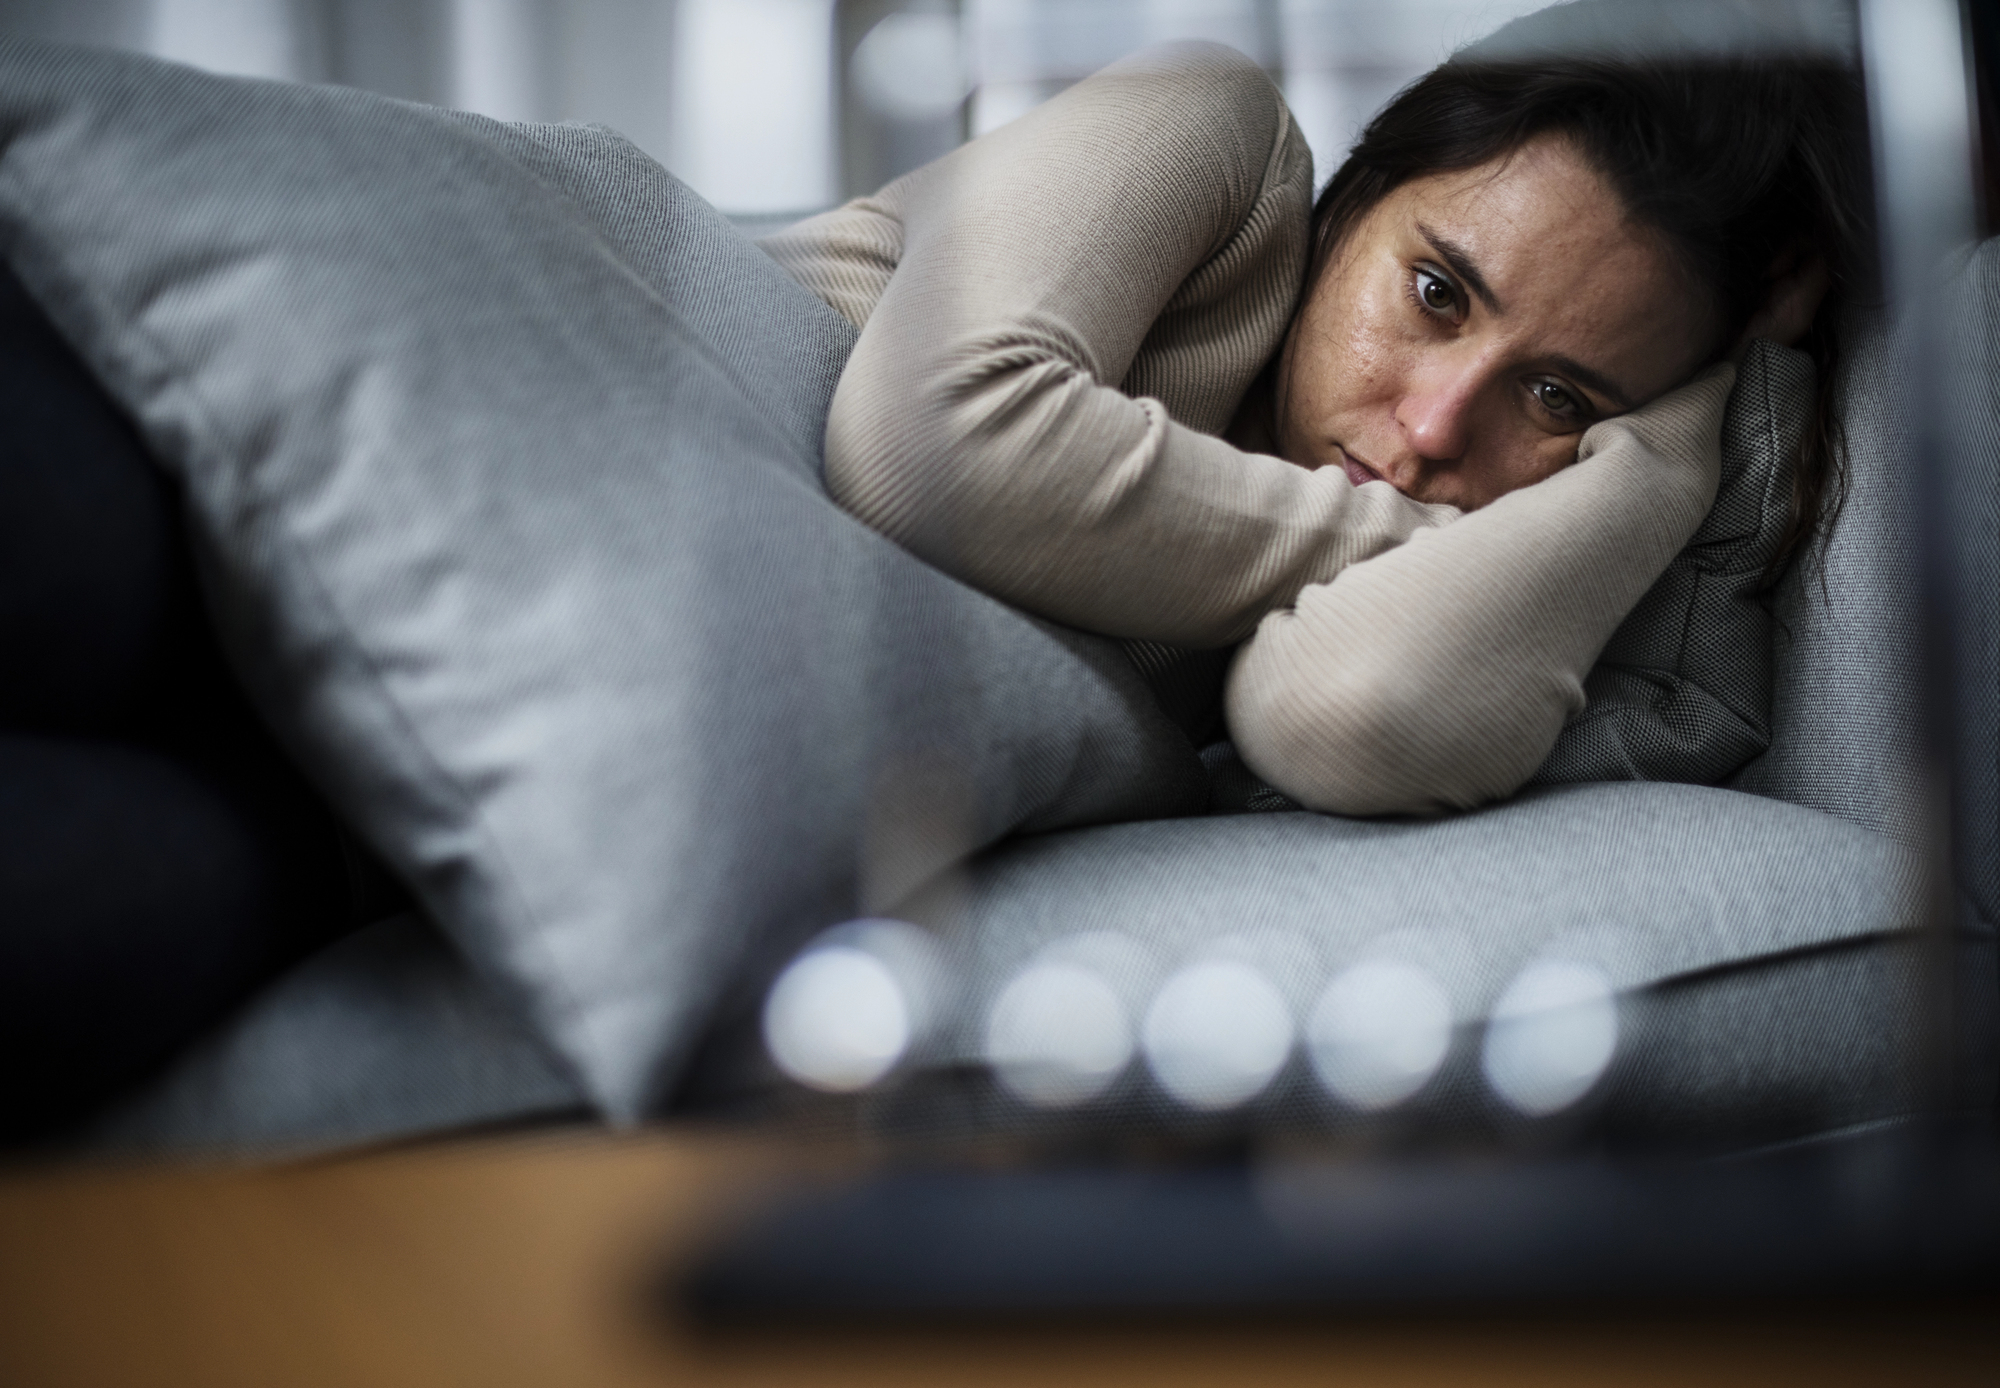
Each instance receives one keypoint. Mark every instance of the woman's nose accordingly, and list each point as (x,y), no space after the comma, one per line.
(1436,410)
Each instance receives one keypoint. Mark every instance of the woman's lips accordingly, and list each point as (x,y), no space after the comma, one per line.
(1357,472)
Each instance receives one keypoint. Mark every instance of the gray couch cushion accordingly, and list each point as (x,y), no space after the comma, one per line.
(1764,989)
(1645,883)
(1682,692)
(385,1034)
(1972,512)
(1640,882)
(499,451)
(1845,736)
(1851,697)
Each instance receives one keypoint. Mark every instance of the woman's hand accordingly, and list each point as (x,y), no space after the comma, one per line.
(1438,674)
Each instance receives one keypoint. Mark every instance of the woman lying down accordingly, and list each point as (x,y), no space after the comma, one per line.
(1419,447)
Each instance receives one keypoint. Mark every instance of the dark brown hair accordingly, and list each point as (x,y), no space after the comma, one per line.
(1737,163)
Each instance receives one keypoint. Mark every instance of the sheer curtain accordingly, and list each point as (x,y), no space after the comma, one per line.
(776,108)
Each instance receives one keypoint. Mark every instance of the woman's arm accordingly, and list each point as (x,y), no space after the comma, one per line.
(1146,229)
(845,256)
(1437,675)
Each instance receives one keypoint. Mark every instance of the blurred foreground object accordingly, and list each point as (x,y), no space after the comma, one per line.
(520,1262)
(1903,1214)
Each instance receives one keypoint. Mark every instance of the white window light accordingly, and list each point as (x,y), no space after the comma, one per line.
(753,104)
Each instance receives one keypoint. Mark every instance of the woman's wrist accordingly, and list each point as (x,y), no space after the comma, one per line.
(1676,438)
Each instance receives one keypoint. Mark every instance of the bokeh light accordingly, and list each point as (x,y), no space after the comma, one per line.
(1378,1033)
(911,66)
(1058,1034)
(1216,1034)
(1551,1037)
(837,1019)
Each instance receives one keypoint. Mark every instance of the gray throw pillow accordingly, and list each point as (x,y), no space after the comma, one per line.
(500,454)
(1682,691)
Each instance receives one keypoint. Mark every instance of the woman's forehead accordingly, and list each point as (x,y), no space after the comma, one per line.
(1522,209)
(1546,249)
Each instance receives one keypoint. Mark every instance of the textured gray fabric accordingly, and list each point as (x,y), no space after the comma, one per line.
(781,355)
(1682,692)
(1774,1048)
(1845,706)
(1760,1003)
(1972,436)
(1801,1043)
(1234,788)
(1850,697)
(499,454)
(1646,882)
(1188,683)
(386,1034)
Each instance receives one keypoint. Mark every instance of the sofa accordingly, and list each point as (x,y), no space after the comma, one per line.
(560,621)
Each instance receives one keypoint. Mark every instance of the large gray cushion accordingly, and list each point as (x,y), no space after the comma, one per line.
(1682,692)
(1644,882)
(385,1034)
(499,450)
(1767,988)
(1854,695)
(1845,712)
(1972,514)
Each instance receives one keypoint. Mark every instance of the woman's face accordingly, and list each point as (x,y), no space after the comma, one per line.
(1476,323)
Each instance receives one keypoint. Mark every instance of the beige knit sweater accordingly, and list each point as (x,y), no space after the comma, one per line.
(1057,321)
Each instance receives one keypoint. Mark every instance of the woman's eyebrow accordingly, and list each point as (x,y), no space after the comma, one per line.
(1459,260)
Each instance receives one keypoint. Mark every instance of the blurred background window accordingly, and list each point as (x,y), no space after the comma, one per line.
(773,109)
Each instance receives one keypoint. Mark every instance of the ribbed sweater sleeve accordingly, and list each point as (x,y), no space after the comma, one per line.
(1056,320)
(1437,675)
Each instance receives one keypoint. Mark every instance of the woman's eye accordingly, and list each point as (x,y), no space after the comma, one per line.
(1437,293)
(1554,398)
